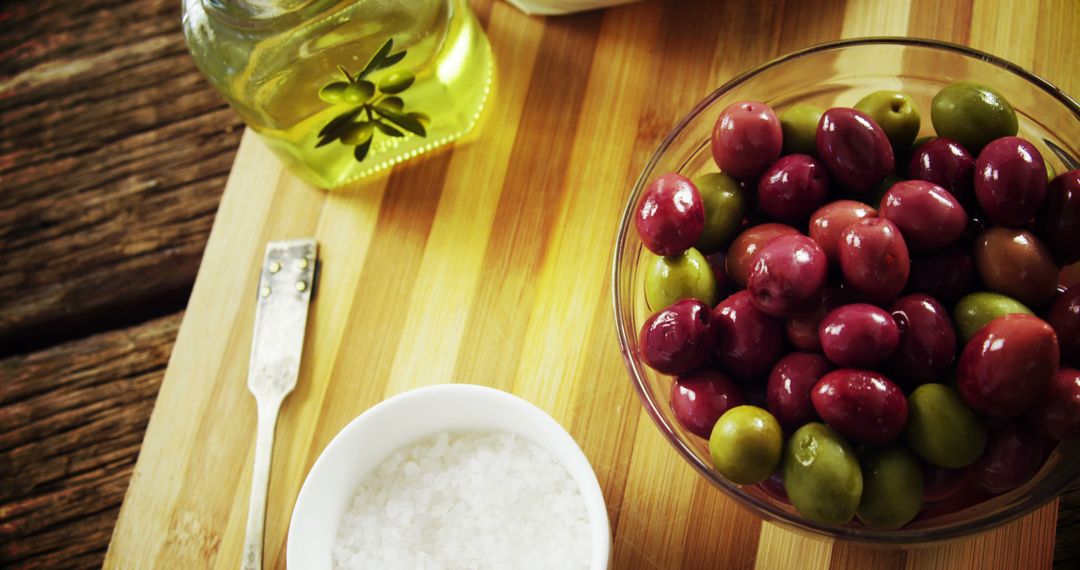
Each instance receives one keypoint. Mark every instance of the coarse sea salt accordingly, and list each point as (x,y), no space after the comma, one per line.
(466,501)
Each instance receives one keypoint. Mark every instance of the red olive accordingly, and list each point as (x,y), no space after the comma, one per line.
(941,483)
(858,335)
(787,275)
(679,338)
(793,188)
(863,406)
(1013,455)
(1057,413)
(1015,263)
(1058,221)
(802,328)
(946,163)
(700,398)
(927,215)
(788,389)
(1065,318)
(829,221)
(927,341)
(746,139)
(748,340)
(946,274)
(670,216)
(874,259)
(746,244)
(854,149)
(1006,366)
(1010,181)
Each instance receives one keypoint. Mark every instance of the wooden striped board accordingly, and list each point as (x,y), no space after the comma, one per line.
(488,262)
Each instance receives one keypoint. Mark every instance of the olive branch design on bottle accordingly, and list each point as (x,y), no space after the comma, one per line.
(373,108)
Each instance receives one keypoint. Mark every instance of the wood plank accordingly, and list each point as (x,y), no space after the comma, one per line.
(114,156)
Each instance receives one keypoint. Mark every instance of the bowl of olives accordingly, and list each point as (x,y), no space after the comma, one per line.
(839,290)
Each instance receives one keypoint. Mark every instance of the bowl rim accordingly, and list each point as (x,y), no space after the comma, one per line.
(751,502)
(574,461)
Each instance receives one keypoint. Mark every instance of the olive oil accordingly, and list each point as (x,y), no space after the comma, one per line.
(271,60)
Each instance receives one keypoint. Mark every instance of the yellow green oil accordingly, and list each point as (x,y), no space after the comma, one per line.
(270,59)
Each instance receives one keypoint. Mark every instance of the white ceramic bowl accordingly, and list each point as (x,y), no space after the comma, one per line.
(409,418)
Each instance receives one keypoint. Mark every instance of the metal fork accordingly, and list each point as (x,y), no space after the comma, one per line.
(285,288)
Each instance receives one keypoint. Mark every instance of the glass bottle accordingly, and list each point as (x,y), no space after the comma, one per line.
(342,89)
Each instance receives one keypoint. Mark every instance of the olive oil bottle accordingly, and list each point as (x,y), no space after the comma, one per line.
(342,89)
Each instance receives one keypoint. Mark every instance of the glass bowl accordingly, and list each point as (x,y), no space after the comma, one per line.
(829,75)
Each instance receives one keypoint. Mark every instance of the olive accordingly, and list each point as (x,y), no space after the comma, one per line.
(746,445)
(748,341)
(1010,181)
(1006,366)
(358,92)
(863,406)
(787,275)
(1057,413)
(790,383)
(670,217)
(716,262)
(854,149)
(358,133)
(927,340)
(700,398)
(678,339)
(945,274)
(892,486)
(684,276)
(940,483)
(942,429)
(1065,318)
(821,475)
(1013,455)
(1014,262)
(746,244)
(333,92)
(725,207)
(946,163)
(799,126)
(972,115)
(396,81)
(874,198)
(1058,221)
(802,328)
(896,114)
(974,310)
(746,139)
(927,215)
(774,487)
(792,188)
(858,335)
(874,259)
(827,223)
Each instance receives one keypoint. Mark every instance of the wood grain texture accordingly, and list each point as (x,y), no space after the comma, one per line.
(112,161)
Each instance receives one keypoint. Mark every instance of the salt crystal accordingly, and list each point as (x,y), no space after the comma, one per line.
(468,501)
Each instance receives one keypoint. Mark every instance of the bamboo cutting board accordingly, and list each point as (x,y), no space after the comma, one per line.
(488,263)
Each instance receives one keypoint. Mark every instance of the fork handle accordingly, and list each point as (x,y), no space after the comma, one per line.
(260,479)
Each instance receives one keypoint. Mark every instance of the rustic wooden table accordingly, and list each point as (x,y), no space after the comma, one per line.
(113,156)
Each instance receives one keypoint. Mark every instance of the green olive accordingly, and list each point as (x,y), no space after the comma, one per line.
(895,113)
(333,92)
(725,206)
(972,115)
(821,475)
(974,310)
(358,133)
(392,103)
(359,92)
(745,444)
(942,429)
(799,124)
(892,486)
(396,82)
(668,279)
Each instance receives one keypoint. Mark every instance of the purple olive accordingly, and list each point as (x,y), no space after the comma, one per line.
(927,340)
(748,243)
(717,262)
(1065,319)
(829,221)
(858,335)
(874,259)
(746,139)
(790,383)
(1006,366)
(1010,181)
(774,487)
(863,406)
(700,398)
(802,328)
(793,188)
(670,217)
(679,338)
(1058,221)
(941,483)
(787,275)
(927,215)
(1013,455)
(1014,262)
(1057,413)
(946,274)
(748,340)
(946,163)
(854,149)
